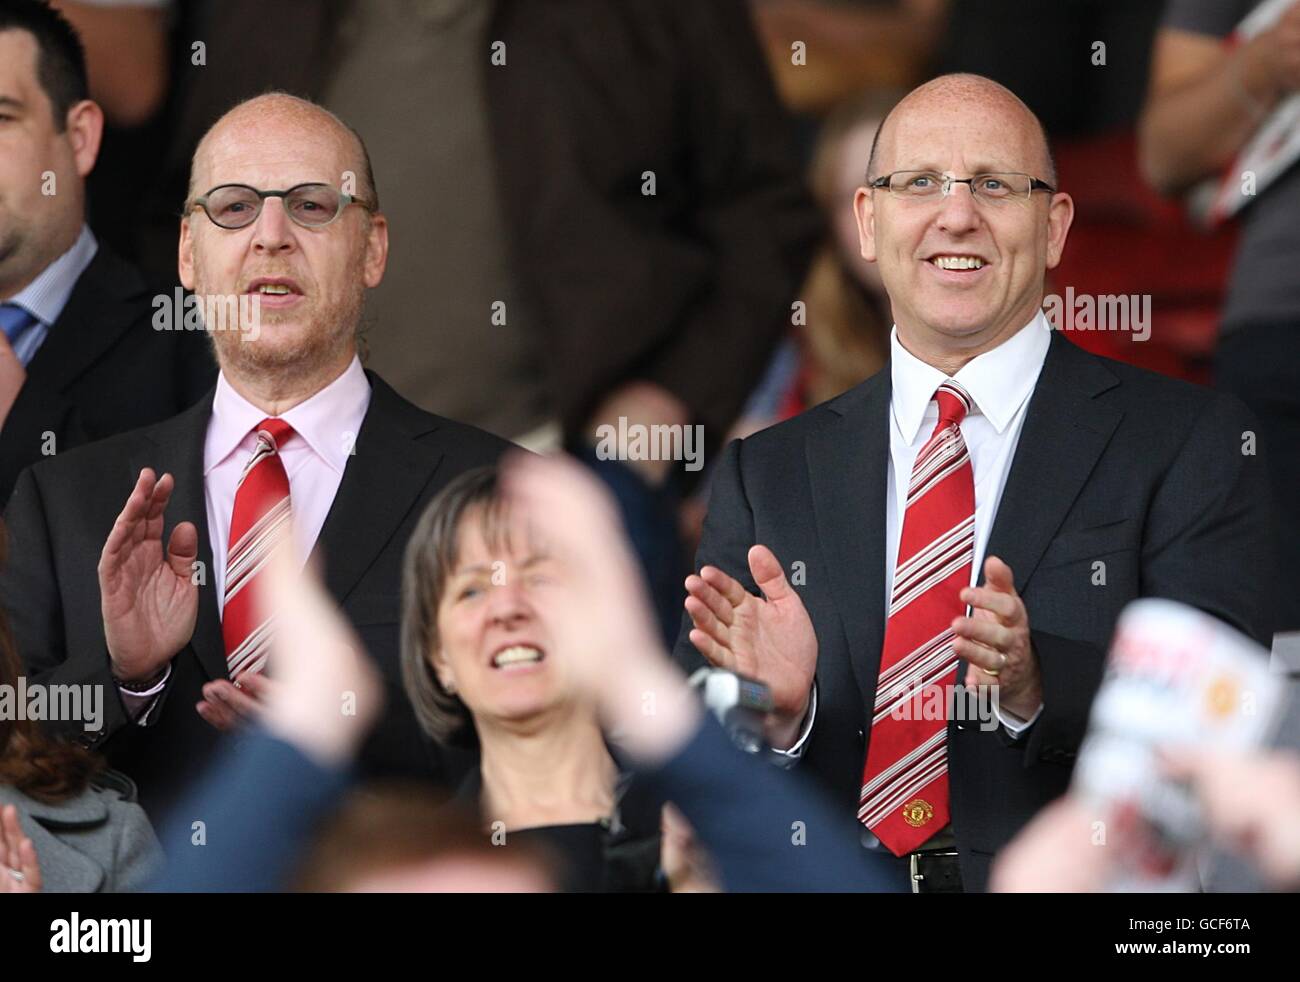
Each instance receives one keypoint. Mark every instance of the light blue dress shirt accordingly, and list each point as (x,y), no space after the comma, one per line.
(47,295)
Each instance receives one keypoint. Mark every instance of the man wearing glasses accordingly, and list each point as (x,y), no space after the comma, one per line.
(976,514)
(158,599)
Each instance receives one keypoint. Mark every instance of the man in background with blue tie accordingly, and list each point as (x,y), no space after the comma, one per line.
(79,357)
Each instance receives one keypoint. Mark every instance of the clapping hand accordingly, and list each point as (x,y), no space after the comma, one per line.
(148,598)
(995,641)
(769,638)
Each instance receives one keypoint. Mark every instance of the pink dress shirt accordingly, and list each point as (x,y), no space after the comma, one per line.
(326,427)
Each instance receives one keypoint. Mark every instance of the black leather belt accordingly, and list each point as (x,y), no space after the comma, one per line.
(935,871)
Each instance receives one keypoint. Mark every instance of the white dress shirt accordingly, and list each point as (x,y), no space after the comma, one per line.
(1000,383)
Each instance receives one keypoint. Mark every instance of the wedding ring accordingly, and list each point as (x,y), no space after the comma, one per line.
(17,874)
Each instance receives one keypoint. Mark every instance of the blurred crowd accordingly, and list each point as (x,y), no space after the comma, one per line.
(545,225)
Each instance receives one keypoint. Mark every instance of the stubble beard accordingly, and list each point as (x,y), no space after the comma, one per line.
(299,365)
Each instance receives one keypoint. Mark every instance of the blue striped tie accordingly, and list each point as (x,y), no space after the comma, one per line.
(14,321)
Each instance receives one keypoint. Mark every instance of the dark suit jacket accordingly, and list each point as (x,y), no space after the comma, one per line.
(61,513)
(102,369)
(1114,465)
(595,93)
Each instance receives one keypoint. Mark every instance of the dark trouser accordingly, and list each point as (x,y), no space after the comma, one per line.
(1260,364)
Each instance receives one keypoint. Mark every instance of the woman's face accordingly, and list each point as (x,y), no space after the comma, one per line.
(495,648)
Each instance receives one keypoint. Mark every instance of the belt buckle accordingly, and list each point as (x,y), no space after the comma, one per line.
(914,865)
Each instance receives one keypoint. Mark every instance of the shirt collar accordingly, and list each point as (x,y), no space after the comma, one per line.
(316,419)
(999,381)
(47,295)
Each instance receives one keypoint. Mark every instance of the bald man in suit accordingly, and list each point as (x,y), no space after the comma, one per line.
(134,560)
(973,518)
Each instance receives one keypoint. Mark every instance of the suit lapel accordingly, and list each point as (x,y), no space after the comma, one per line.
(382,482)
(103,305)
(848,465)
(178,449)
(1063,437)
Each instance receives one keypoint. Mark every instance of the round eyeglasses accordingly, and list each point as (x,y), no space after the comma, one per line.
(990,188)
(235,206)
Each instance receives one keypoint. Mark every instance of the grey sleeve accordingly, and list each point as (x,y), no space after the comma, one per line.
(1213,17)
(137,855)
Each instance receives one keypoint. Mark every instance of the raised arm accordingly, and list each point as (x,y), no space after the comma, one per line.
(765,829)
(1206,99)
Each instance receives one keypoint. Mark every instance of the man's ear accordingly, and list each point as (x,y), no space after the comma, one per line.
(84,126)
(376,251)
(864,210)
(185,254)
(1060,215)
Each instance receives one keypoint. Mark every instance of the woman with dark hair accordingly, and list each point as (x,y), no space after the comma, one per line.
(66,824)
(479,665)
(595,631)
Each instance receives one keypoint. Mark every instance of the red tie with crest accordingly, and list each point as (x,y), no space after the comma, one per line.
(904,797)
(260,519)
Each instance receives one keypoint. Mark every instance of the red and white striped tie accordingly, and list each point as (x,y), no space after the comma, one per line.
(260,518)
(904,798)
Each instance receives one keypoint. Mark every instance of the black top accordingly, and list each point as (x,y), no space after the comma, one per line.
(619,854)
